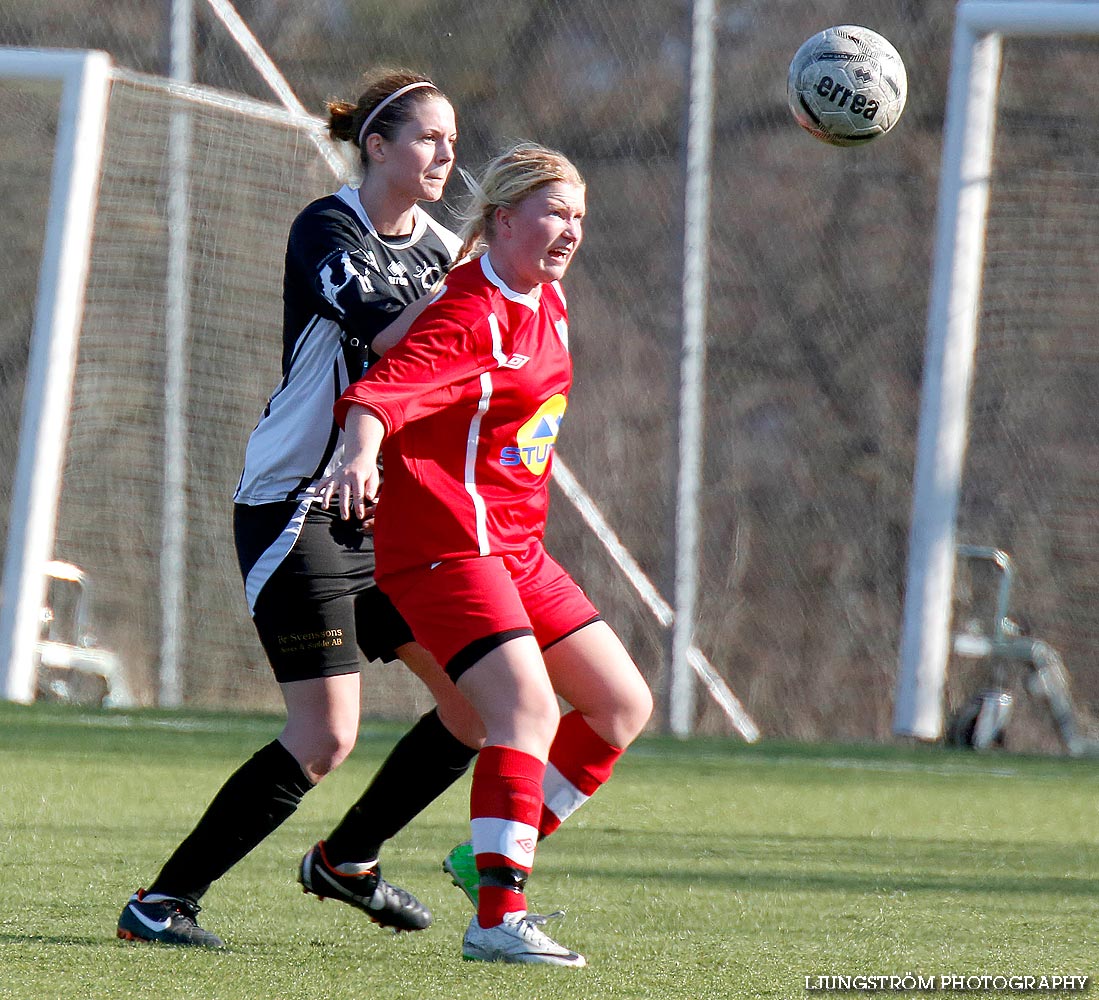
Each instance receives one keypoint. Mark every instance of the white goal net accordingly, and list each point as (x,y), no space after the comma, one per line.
(1031,482)
(112,506)
(177,354)
(815,306)
(1018,455)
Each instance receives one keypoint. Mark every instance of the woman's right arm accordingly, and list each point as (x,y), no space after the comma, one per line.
(394,333)
(355,483)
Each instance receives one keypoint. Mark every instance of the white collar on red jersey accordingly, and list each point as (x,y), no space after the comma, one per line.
(530,299)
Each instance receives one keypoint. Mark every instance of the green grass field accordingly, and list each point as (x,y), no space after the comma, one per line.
(705,870)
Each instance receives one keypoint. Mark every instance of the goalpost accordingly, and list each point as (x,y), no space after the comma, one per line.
(952,342)
(85,83)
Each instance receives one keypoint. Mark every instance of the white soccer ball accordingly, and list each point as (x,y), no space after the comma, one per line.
(847,85)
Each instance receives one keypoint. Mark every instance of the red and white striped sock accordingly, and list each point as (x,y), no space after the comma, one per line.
(579,762)
(504,806)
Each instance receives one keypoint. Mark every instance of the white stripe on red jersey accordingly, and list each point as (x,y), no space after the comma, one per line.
(479,513)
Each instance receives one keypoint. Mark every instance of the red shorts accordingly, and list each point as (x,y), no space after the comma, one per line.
(461,609)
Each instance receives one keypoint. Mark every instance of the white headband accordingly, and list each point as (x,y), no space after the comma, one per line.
(400,92)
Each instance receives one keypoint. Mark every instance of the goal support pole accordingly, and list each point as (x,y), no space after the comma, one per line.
(680,683)
(62,278)
(177,283)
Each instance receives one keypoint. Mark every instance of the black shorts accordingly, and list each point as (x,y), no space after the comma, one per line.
(309,580)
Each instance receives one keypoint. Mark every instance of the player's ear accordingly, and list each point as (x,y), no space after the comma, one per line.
(375,147)
(502,217)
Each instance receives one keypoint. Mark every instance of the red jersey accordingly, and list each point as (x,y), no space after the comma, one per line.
(472,400)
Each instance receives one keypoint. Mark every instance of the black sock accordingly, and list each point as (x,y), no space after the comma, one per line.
(426,761)
(260,795)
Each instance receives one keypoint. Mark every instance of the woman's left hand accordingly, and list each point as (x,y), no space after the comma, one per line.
(355,486)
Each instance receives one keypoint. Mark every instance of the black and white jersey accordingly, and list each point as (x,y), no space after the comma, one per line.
(344,284)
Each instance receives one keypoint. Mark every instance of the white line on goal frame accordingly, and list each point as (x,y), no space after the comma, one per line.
(62,278)
(952,337)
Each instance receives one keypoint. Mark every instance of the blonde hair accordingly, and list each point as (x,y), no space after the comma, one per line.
(505,181)
(379,106)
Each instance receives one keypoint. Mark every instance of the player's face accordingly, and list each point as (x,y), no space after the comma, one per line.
(534,242)
(418,160)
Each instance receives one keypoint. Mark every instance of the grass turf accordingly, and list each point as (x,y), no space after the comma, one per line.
(706,870)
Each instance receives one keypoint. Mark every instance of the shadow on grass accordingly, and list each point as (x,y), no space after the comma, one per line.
(856,864)
(68,939)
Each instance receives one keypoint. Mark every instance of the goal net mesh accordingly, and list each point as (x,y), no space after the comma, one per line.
(28,120)
(816,314)
(251,170)
(111,506)
(1031,480)
(816,310)
(248,177)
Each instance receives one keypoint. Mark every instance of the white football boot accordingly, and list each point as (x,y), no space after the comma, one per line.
(518,939)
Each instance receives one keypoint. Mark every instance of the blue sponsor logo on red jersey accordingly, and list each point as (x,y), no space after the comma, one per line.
(535,439)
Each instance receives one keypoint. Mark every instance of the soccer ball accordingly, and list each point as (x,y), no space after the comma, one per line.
(847,85)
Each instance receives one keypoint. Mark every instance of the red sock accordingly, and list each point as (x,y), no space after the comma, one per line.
(579,762)
(504,805)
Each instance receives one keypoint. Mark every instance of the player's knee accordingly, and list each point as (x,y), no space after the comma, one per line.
(639,710)
(325,752)
(463,723)
(629,714)
(538,717)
